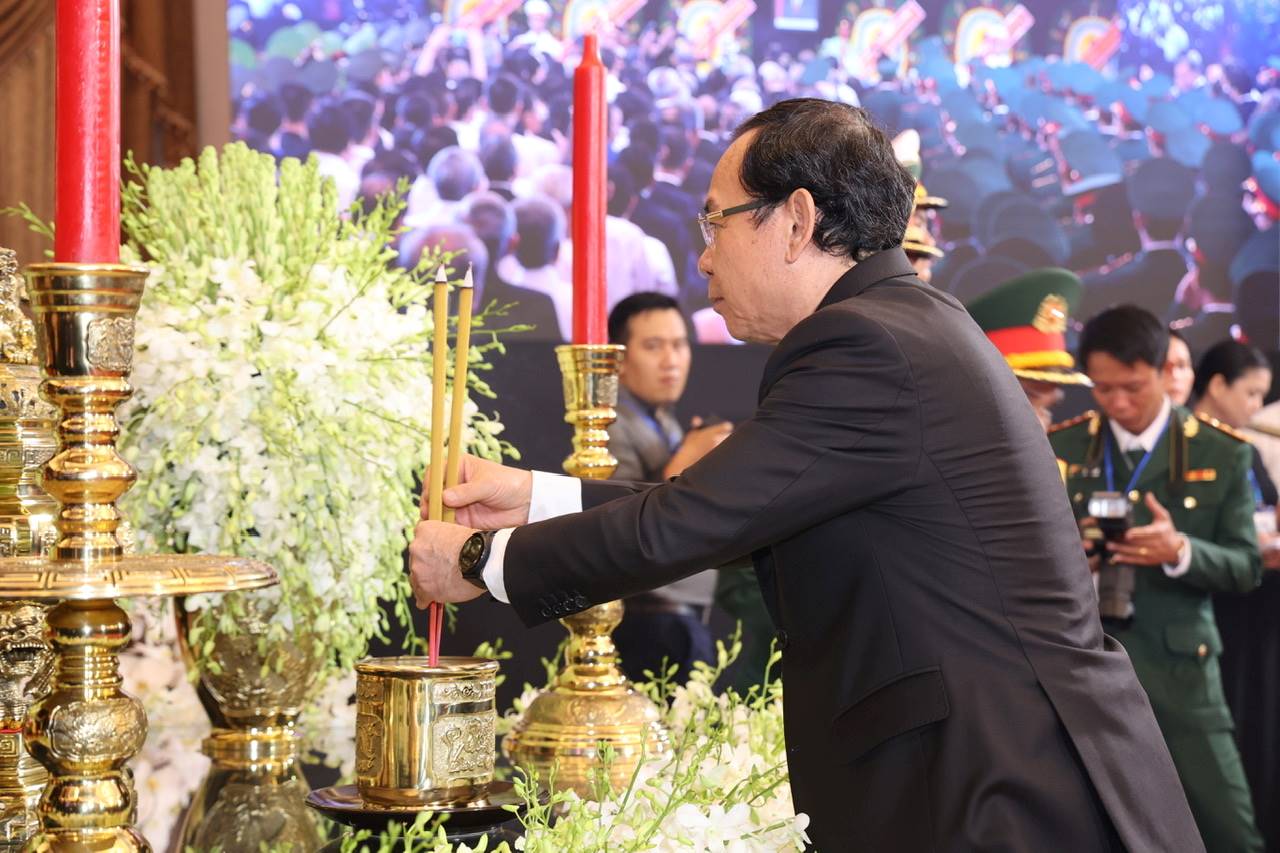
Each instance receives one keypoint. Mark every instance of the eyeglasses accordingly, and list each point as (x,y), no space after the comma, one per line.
(705,219)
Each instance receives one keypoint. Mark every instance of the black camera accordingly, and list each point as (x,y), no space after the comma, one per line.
(1114,513)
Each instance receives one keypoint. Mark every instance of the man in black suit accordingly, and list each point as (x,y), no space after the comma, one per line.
(1160,191)
(494,222)
(948,684)
(654,217)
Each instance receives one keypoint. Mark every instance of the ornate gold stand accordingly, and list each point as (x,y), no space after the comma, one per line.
(27,442)
(87,727)
(592,702)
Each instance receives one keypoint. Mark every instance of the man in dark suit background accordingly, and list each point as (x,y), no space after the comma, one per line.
(948,684)
(671,624)
(1159,191)
(494,222)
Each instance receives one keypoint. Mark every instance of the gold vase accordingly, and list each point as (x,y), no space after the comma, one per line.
(257,687)
(252,798)
(591,703)
(86,729)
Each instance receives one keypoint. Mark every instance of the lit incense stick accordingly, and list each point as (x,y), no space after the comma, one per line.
(461,352)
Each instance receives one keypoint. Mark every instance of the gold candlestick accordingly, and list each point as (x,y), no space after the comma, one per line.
(590,373)
(87,728)
(592,702)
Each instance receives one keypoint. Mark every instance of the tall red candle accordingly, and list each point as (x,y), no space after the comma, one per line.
(590,186)
(87,154)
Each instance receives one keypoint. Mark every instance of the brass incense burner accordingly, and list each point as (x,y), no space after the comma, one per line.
(424,734)
(87,728)
(592,703)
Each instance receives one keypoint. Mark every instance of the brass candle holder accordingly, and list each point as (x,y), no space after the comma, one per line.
(87,728)
(592,703)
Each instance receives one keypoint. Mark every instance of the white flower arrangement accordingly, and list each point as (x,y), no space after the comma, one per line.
(282,381)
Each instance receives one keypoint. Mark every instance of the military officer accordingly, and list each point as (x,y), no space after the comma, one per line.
(1160,191)
(921,240)
(1185,484)
(1026,318)
(922,250)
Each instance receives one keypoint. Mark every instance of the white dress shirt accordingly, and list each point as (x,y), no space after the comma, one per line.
(626,260)
(551,495)
(344,177)
(1145,441)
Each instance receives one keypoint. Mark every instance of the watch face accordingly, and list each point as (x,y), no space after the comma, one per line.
(471,550)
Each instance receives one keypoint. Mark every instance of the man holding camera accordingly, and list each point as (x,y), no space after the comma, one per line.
(1166,513)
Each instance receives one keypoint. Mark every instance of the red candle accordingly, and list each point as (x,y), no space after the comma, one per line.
(87,154)
(590,188)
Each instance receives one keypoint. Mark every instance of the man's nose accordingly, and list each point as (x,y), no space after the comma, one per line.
(704,262)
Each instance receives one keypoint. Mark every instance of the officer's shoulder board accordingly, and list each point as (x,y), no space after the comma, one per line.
(1091,416)
(1220,427)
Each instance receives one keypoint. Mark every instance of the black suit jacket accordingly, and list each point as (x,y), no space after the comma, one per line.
(657,220)
(948,684)
(525,307)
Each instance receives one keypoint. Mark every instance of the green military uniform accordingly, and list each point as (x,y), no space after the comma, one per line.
(1199,472)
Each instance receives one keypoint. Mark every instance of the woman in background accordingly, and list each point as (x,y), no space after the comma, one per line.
(1230,383)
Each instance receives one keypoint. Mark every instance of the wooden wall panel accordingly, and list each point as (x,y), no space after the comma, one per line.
(158,116)
(26,137)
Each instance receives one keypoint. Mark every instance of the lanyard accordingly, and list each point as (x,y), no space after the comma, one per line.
(1258,500)
(1142,463)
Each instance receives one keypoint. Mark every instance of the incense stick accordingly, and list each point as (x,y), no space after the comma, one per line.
(439,359)
(461,354)
(436,469)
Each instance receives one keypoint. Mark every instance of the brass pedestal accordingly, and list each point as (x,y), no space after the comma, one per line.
(87,728)
(592,703)
(253,797)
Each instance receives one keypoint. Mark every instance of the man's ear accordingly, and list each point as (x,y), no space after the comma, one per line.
(1217,386)
(803,216)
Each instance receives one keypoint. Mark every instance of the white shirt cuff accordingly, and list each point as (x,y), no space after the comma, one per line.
(550,495)
(492,573)
(1184,562)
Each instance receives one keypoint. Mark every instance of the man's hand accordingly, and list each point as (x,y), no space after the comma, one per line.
(1091,540)
(698,442)
(488,496)
(1156,544)
(434,573)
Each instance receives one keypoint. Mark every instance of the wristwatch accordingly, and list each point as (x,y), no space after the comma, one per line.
(474,555)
